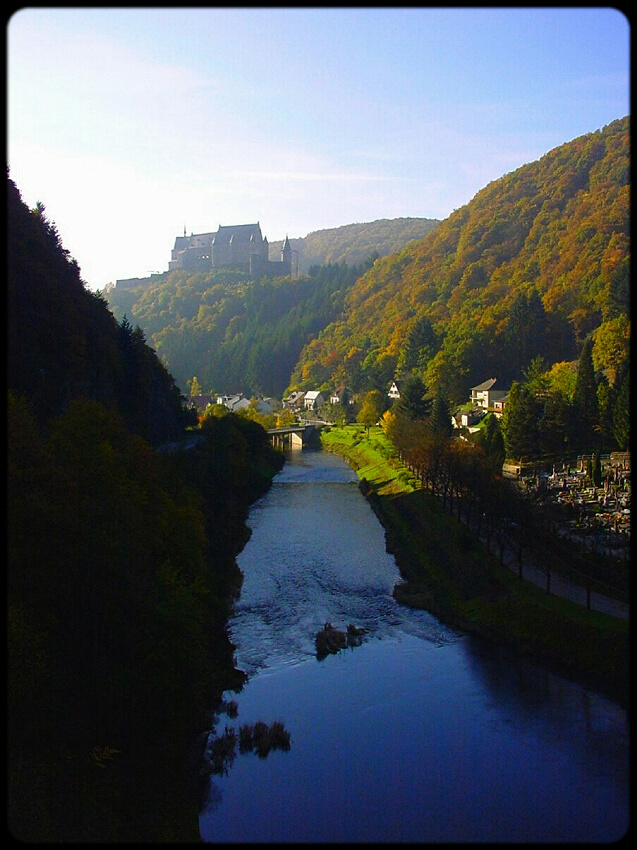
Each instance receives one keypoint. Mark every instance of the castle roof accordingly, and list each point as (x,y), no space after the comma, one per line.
(238,233)
(200,240)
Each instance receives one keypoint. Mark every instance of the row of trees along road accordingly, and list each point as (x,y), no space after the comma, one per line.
(466,474)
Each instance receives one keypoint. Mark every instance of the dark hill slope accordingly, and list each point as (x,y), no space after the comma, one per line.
(64,343)
(535,263)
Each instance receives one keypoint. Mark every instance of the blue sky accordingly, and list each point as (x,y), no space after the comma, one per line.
(130,124)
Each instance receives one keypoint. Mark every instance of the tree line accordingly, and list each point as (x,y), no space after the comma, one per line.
(465,470)
(234,333)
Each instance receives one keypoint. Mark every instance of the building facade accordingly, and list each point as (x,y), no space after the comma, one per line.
(241,247)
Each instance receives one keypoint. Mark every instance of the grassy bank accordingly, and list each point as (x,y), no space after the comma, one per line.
(450,573)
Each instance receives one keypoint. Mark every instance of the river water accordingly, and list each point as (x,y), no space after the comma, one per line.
(421,733)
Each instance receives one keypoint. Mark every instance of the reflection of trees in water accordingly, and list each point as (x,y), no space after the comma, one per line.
(259,738)
(222,749)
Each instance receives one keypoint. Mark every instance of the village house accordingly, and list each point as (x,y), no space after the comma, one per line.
(313,400)
(484,395)
(499,404)
(471,418)
(234,402)
(267,405)
(294,401)
(201,402)
(342,395)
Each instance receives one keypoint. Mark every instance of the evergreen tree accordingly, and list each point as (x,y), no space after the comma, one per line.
(521,416)
(605,406)
(195,387)
(585,403)
(440,421)
(491,439)
(536,375)
(555,424)
(621,410)
(421,345)
(526,330)
(597,470)
(412,401)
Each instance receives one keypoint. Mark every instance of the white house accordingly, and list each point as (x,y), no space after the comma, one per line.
(484,395)
(313,400)
(499,404)
(267,405)
(340,395)
(472,417)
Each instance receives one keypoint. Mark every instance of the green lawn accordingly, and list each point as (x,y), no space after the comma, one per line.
(370,453)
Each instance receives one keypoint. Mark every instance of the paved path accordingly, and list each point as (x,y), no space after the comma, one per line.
(561,586)
(567,590)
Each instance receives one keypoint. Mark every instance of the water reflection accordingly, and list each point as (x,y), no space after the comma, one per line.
(223,747)
(529,696)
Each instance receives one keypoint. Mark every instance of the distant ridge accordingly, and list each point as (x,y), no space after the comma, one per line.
(353,243)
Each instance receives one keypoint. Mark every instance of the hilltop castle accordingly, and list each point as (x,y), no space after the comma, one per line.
(239,247)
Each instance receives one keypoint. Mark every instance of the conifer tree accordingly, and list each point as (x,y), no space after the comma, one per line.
(420,346)
(440,421)
(621,411)
(492,441)
(585,400)
(412,401)
(521,417)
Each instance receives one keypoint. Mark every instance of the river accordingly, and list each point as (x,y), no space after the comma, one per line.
(421,733)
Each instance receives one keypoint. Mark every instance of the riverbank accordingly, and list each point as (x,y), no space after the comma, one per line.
(450,573)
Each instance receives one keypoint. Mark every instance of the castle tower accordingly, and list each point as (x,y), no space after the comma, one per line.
(286,255)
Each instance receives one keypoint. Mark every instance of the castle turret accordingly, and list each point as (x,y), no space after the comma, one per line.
(286,255)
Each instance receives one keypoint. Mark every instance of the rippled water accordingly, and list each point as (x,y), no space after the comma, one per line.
(317,554)
(420,734)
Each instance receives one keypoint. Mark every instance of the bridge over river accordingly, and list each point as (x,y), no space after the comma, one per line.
(294,436)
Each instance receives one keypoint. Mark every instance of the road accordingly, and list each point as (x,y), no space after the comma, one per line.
(567,590)
(561,586)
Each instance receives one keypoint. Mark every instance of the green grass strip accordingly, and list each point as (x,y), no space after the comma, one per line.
(451,574)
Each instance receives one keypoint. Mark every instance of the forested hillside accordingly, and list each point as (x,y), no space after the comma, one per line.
(64,342)
(233,333)
(537,262)
(353,244)
(239,335)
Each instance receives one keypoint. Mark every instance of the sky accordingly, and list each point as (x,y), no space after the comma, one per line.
(133,125)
